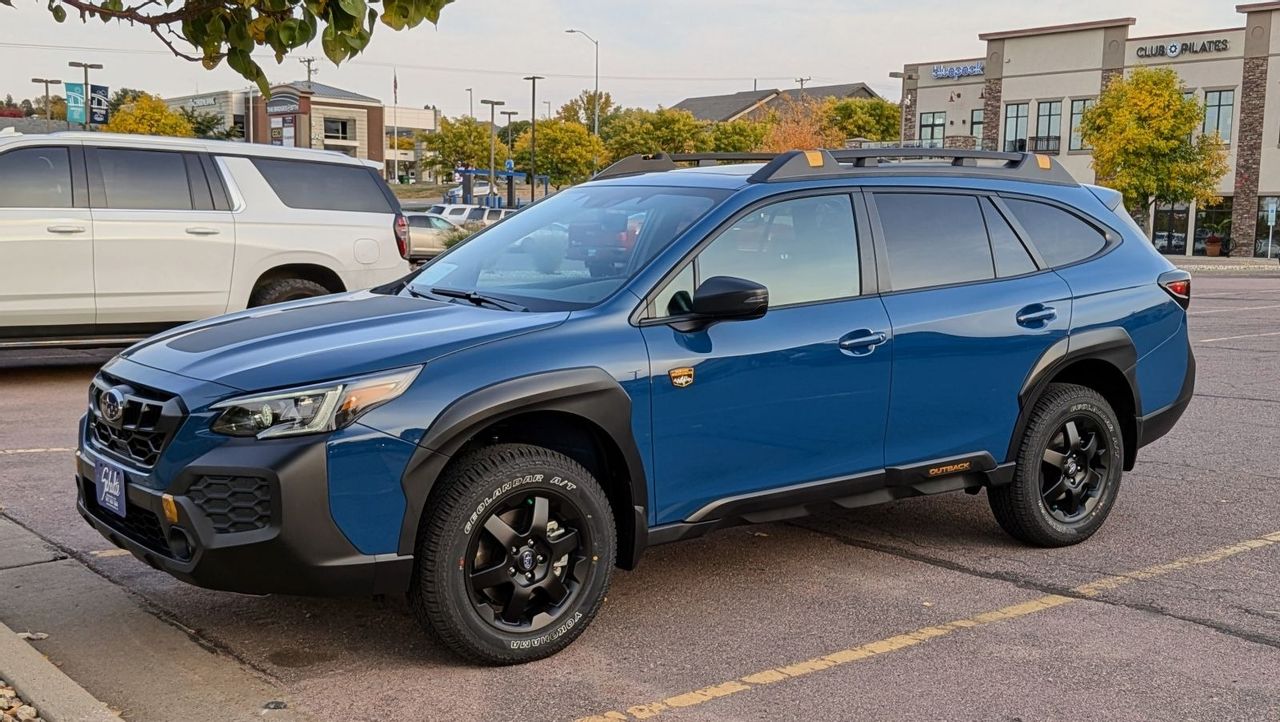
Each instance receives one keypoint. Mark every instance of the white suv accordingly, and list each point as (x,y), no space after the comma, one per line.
(107,238)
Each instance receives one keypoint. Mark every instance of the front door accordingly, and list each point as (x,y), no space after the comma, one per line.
(800,395)
(162,254)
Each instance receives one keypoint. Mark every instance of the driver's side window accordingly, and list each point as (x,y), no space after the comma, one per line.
(803,250)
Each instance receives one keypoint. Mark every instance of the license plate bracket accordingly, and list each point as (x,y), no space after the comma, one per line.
(110,483)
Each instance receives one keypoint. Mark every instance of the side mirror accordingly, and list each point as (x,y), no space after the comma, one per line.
(724,298)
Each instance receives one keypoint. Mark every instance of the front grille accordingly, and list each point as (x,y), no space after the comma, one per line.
(138,524)
(233,503)
(145,424)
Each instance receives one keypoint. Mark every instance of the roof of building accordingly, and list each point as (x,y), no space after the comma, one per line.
(321,90)
(843,90)
(1051,29)
(721,108)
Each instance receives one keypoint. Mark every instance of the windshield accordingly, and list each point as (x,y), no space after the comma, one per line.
(571,250)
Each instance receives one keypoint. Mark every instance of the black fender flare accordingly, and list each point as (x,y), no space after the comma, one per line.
(587,392)
(1112,345)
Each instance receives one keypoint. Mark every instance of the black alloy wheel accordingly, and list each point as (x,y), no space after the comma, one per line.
(1074,469)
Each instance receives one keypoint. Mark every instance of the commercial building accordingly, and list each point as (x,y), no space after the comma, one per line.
(756,104)
(313,115)
(1027,89)
(229,105)
(408,124)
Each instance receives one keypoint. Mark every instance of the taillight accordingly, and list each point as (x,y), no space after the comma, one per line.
(1177,284)
(401,226)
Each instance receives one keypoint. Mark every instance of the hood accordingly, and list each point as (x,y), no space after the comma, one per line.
(325,338)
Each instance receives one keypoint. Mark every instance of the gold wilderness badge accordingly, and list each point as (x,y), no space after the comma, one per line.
(681,377)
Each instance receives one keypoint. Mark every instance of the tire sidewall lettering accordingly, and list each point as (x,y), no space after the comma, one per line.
(506,488)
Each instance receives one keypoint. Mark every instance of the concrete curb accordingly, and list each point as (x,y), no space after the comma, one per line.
(42,685)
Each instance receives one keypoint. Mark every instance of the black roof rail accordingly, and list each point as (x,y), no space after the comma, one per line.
(797,164)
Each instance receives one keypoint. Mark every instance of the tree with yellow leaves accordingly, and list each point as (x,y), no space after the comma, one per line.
(147,114)
(1144,134)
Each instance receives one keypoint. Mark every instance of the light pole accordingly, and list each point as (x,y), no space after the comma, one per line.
(471,103)
(596,101)
(86,67)
(493,135)
(48,110)
(548,104)
(509,114)
(533,138)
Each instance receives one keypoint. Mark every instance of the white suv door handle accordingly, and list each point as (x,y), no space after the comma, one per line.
(202,231)
(65,228)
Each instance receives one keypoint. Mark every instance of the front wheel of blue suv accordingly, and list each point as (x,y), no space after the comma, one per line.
(515,554)
(1068,470)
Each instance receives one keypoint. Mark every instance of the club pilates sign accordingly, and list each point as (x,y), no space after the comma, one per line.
(1179,49)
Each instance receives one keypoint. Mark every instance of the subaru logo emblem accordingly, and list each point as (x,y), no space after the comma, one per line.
(526,560)
(111,405)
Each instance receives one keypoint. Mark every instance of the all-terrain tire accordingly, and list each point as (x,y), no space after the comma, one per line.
(1021,507)
(480,485)
(285,289)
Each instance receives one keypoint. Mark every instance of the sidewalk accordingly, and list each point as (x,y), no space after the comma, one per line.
(107,645)
(1225,264)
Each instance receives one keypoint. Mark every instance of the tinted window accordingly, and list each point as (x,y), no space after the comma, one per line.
(324,186)
(144,179)
(475,214)
(1011,256)
(419,222)
(934,240)
(1060,237)
(802,250)
(35,178)
(440,223)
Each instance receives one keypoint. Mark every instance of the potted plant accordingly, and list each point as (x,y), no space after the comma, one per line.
(1217,236)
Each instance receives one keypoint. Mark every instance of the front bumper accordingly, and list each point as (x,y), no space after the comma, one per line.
(296,548)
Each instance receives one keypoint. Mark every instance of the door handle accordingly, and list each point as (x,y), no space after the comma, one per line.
(202,231)
(1036,314)
(862,342)
(65,228)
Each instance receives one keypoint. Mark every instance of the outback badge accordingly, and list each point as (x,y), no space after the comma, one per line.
(681,377)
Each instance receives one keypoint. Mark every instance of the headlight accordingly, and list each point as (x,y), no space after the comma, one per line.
(312,409)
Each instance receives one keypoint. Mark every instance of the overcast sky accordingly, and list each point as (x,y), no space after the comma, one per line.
(652,52)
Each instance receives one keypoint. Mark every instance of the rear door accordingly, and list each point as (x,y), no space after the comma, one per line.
(971,310)
(46,243)
(162,252)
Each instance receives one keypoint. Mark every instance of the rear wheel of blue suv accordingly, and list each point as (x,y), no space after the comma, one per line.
(648,357)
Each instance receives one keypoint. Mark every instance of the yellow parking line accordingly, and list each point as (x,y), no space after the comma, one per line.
(919,636)
(5,452)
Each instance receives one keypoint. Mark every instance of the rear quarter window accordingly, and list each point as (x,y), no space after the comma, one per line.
(324,186)
(1059,236)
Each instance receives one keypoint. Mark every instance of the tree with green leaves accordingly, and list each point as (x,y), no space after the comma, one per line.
(565,151)
(211,31)
(582,109)
(120,97)
(205,124)
(874,119)
(738,136)
(464,141)
(653,131)
(1144,134)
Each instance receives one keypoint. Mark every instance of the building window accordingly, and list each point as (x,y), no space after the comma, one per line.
(1266,245)
(237,125)
(933,127)
(1015,127)
(975,125)
(1078,107)
(1213,229)
(337,129)
(1170,228)
(1048,137)
(1218,106)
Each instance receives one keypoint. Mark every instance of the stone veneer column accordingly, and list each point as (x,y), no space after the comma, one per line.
(910,101)
(991,117)
(1253,101)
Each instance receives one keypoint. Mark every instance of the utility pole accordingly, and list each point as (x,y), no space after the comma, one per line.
(596,102)
(86,67)
(309,62)
(471,103)
(802,81)
(493,136)
(533,137)
(48,109)
(510,145)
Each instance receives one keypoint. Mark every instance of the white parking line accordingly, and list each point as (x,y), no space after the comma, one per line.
(6,452)
(1232,338)
(1234,294)
(1224,310)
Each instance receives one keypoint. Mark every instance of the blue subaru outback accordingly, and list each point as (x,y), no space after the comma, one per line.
(681,344)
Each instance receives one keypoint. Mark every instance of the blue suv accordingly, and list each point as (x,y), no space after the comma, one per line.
(646,357)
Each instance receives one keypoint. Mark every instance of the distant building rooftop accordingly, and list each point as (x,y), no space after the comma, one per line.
(320,90)
(754,103)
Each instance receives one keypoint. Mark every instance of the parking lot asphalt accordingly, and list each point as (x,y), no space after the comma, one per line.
(920,609)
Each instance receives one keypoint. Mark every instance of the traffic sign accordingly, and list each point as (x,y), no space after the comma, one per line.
(511,165)
(1271,211)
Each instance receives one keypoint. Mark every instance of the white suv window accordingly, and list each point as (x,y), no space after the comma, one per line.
(144,179)
(35,178)
(324,186)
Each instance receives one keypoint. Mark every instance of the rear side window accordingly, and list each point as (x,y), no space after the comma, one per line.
(1011,256)
(35,178)
(934,239)
(1059,236)
(475,214)
(324,186)
(144,179)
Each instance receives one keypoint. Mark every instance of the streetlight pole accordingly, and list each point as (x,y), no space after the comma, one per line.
(533,138)
(493,136)
(471,103)
(548,104)
(86,67)
(48,109)
(596,102)
(510,144)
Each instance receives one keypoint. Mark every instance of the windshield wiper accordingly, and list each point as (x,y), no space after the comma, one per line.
(478,299)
